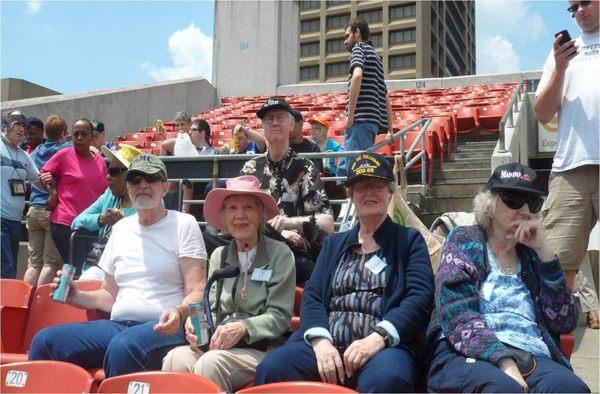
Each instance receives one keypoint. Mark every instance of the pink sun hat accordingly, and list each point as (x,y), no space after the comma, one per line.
(245,185)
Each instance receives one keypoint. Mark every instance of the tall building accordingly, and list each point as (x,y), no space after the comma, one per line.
(416,39)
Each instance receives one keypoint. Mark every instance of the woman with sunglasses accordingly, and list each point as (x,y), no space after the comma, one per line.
(108,209)
(77,176)
(502,299)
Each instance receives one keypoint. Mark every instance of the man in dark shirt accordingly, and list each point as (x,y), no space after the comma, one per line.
(300,144)
(368,109)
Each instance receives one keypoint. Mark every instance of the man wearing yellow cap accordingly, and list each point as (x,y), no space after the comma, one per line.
(108,209)
(320,128)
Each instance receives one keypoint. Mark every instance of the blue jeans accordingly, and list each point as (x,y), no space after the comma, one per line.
(11,232)
(120,347)
(393,369)
(449,371)
(360,136)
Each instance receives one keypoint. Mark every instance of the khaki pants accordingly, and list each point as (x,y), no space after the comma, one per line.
(41,247)
(586,288)
(230,369)
(571,212)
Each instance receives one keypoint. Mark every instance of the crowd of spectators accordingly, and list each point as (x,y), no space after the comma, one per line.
(491,315)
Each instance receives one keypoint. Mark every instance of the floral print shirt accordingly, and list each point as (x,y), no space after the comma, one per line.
(293,182)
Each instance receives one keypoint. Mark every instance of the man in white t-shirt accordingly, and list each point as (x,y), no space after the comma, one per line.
(570,85)
(155,264)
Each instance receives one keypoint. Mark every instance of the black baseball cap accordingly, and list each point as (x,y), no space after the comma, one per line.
(298,118)
(97,127)
(369,165)
(274,103)
(34,121)
(513,176)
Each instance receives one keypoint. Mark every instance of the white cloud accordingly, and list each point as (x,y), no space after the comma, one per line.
(496,55)
(191,54)
(33,6)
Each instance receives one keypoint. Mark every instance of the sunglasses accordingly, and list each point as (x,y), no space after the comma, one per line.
(116,171)
(575,7)
(515,200)
(137,179)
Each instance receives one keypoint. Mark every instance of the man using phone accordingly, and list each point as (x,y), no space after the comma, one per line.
(571,87)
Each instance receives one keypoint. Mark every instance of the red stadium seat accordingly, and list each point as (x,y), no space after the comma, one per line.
(297,305)
(15,293)
(467,120)
(44,377)
(490,116)
(45,313)
(385,150)
(158,382)
(567,343)
(16,296)
(297,387)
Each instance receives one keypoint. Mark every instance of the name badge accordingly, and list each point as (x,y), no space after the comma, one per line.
(375,264)
(261,275)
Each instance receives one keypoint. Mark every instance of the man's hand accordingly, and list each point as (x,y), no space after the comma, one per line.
(329,362)
(564,53)
(228,335)
(225,148)
(349,121)
(168,323)
(361,351)
(509,367)
(73,296)
(293,237)
(280,223)
(46,178)
(190,335)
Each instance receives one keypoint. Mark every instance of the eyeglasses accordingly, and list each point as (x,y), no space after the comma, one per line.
(575,7)
(137,179)
(280,118)
(515,200)
(116,171)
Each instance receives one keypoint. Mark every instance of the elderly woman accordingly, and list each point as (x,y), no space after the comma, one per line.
(501,298)
(108,209)
(252,311)
(370,295)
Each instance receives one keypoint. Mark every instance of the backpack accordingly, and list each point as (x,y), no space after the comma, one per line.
(442,225)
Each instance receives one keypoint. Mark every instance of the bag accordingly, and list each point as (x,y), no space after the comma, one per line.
(524,360)
(442,225)
(401,213)
(184,147)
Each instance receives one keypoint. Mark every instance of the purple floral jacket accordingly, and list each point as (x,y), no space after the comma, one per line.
(464,268)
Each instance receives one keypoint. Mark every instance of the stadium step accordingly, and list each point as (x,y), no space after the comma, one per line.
(458,174)
(464,187)
(467,164)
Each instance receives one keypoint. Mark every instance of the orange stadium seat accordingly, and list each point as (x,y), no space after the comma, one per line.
(297,387)
(15,300)
(15,293)
(490,116)
(44,377)
(159,382)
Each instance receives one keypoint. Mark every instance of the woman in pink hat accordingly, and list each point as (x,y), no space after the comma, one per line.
(252,311)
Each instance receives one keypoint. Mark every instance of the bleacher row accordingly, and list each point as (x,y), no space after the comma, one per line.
(453,111)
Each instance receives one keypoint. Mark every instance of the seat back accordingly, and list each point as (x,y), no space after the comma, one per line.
(44,377)
(297,387)
(15,293)
(45,312)
(158,382)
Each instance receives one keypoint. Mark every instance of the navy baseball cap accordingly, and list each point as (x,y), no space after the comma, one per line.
(369,165)
(297,116)
(34,121)
(97,127)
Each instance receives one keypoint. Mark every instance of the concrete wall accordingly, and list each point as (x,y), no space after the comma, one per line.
(255,46)
(125,109)
(18,89)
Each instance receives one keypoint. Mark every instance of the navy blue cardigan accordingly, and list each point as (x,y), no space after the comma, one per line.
(408,296)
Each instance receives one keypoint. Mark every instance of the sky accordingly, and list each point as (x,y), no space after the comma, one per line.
(74,46)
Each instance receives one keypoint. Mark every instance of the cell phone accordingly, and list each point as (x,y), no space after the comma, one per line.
(566,37)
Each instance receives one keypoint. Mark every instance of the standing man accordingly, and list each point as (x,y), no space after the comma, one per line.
(300,144)
(571,87)
(17,168)
(368,110)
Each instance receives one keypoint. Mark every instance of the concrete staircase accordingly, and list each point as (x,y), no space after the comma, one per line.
(455,185)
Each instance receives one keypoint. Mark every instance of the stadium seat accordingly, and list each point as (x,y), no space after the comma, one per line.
(15,293)
(297,305)
(467,120)
(45,312)
(567,343)
(158,382)
(44,377)
(490,116)
(385,150)
(15,298)
(297,387)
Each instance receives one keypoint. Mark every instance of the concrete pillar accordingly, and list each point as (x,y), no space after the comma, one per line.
(255,46)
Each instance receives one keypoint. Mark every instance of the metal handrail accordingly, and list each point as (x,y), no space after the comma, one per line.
(513,106)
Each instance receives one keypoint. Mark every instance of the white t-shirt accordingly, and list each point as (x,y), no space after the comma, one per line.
(578,130)
(144,260)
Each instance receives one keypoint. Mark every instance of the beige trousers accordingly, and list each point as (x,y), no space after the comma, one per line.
(230,369)
(586,288)
(41,247)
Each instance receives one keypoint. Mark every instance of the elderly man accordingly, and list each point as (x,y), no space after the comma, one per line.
(568,86)
(293,181)
(17,167)
(155,264)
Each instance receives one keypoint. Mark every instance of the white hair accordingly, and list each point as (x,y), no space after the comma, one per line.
(484,205)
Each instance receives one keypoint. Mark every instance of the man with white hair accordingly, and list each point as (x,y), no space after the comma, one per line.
(17,167)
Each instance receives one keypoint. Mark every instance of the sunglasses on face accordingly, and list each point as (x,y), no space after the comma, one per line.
(575,7)
(116,171)
(137,179)
(515,200)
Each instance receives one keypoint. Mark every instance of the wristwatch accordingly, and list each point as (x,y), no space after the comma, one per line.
(387,339)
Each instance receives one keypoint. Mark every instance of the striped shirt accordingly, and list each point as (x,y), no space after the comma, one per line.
(371,102)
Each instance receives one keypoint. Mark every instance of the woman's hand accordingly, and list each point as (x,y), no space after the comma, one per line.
(228,335)
(509,367)
(361,351)
(73,296)
(530,233)
(46,178)
(52,201)
(329,362)
(169,322)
